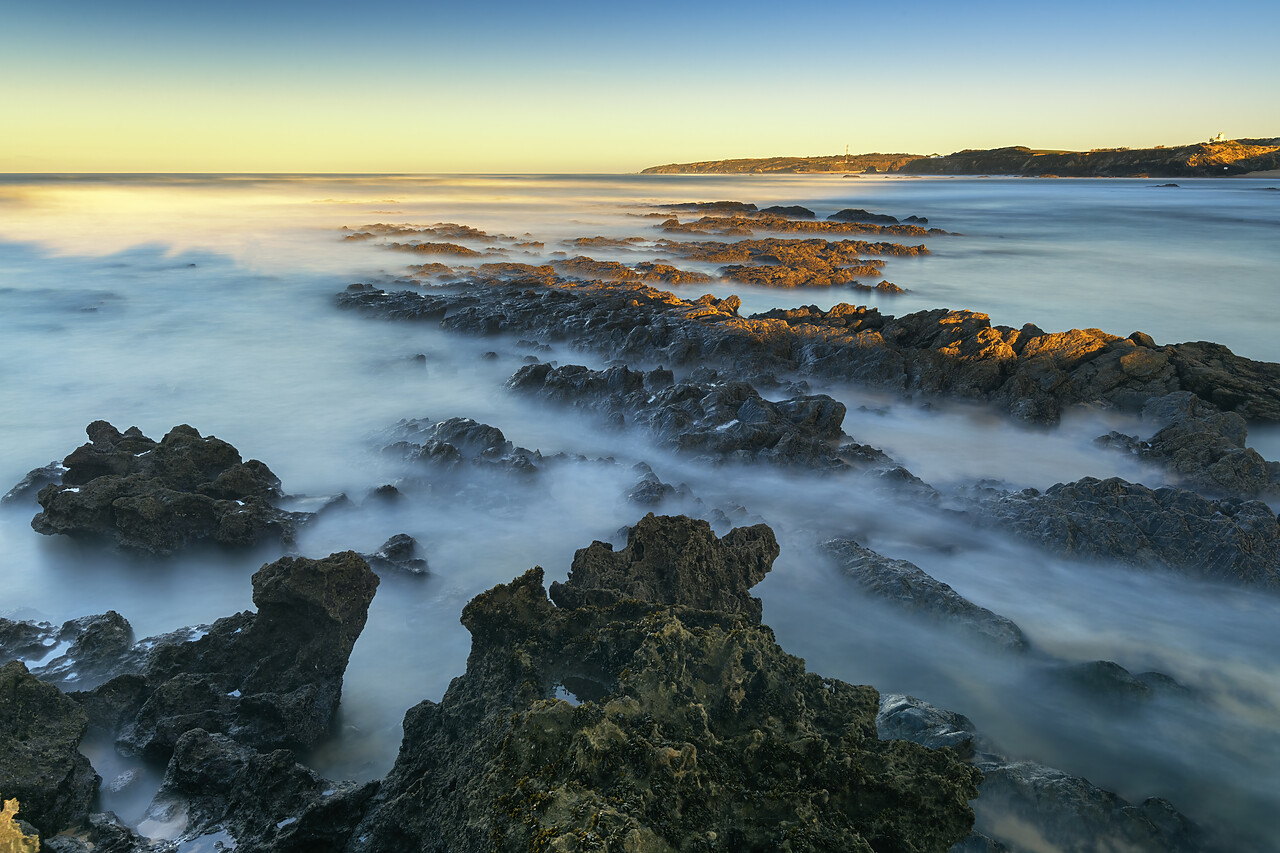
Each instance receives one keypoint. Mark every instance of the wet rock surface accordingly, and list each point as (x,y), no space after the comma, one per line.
(1202,446)
(1226,540)
(35,480)
(1030,373)
(905,585)
(1025,803)
(40,762)
(456,442)
(161,496)
(268,679)
(719,418)
(400,554)
(692,729)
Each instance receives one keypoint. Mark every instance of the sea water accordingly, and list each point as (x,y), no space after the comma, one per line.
(160,300)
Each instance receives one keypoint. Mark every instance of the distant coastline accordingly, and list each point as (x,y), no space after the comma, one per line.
(1216,158)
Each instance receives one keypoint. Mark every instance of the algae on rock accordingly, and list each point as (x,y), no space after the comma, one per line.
(616,722)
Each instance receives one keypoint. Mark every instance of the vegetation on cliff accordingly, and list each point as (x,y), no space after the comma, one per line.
(1215,158)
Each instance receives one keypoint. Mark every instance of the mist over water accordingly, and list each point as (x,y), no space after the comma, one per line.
(155,301)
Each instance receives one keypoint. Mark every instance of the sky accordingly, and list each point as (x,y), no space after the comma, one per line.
(321,86)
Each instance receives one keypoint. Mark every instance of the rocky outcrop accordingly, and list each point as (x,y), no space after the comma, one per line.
(1236,541)
(1203,447)
(789,165)
(1216,159)
(681,727)
(40,763)
(161,496)
(461,441)
(723,419)
(268,679)
(905,585)
(1055,810)
(35,480)
(81,654)
(1031,373)
(216,789)
(399,554)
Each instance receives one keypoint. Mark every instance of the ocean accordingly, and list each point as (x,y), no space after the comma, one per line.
(157,300)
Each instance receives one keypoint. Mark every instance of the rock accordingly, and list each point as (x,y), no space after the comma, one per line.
(100,648)
(161,496)
(857,214)
(1033,374)
(1202,446)
(399,553)
(267,679)
(907,586)
(216,789)
(650,491)
(727,420)
(1061,812)
(1105,680)
(40,762)
(458,441)
(1236,541)
(793,211)
(673,560)
(692,729)
(35,480)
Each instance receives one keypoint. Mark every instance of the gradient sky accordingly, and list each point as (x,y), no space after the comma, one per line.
(199,85)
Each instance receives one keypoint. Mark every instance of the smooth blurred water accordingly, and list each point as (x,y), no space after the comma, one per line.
(159,300)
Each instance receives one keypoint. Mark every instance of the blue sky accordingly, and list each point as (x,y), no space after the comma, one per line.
(324,86)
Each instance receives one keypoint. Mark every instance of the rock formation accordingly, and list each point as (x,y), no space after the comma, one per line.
(161,496)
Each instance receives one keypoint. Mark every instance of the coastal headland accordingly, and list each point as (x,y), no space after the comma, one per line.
(1215,158)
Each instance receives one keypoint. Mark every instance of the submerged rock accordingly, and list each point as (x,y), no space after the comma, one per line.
(161,496)
(268,679)
(1202,446)
(217,789)
(1031,373)
(727,420)
(40,762)
(686,728)
(35,480)
(905,585)
(1058,811)
(1237,541)
(399,553)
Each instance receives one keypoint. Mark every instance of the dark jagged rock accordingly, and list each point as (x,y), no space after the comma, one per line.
(399,553)
(792,211)
(857,214)
(693,730)
(905,585)
(651,491)
(723,419)
(1203,446)
(35,480)
(673,560)
(101,647)
(1066,811)
(456,441)
(746,225)
(710,207)
(83,652)
(1107,681)
(218,790)
(1031,373)
(40,762)
(268,679)
(161,496)
(1237,541)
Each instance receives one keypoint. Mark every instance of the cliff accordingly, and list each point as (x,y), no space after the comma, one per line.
(1200,160)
